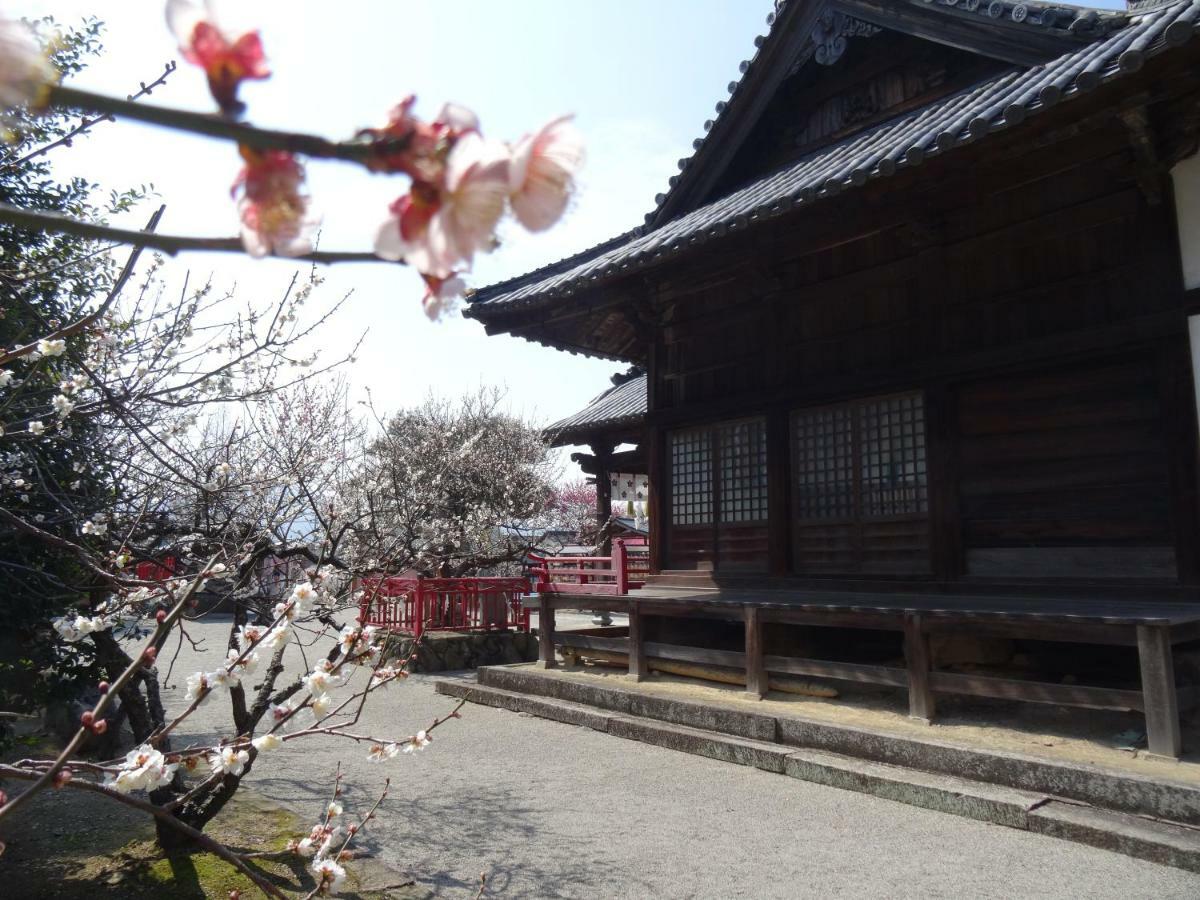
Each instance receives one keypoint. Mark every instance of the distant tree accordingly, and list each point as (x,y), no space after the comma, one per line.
(449,486)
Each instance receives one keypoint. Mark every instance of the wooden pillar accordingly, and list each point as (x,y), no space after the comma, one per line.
(603,457)
(1158,690)
(916,655)
(756,671)
(546,658)
(637,643)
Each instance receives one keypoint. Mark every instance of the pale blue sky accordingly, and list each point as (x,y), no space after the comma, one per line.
(641,76)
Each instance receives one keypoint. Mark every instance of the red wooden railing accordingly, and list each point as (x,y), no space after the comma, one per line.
(417,605)
(150,570)
(616,574)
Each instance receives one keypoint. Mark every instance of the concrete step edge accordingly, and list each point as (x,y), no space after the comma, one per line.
(1094,785)
(1156,841)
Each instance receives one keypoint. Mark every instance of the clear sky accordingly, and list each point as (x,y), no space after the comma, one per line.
(641,76)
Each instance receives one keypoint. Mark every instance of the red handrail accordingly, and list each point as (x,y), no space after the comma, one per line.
(590,574)
(417,605)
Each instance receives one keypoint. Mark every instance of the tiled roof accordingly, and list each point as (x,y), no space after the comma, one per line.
(624,404)
(993,105)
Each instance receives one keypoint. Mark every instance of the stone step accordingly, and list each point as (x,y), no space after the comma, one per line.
(1174,801)
(1144,838)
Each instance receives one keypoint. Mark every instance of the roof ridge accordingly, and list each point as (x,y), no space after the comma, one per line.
(905,141)
(1087,22)
(480,294)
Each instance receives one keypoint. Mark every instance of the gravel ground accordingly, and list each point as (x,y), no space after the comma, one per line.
(551,810)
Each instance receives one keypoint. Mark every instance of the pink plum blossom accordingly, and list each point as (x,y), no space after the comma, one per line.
(272,204)
(542,174)
(438,232)
(226,60)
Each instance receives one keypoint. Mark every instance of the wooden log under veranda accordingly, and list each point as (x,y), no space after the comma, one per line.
(783,683)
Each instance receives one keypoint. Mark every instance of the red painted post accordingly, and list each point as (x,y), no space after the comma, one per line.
(620,567)
(419,625)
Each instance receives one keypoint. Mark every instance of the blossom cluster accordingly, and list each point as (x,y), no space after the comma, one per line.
(144,769)
(320,846)
(461,183)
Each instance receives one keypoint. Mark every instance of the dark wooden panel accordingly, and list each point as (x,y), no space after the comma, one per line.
(1073,562)
(690,547)
(1063,473)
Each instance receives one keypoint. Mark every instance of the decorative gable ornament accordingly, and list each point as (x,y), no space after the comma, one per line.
(830,37)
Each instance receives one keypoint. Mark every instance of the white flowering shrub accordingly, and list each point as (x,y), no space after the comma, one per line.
(170,447)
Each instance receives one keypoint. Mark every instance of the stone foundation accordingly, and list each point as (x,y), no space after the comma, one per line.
(448,651)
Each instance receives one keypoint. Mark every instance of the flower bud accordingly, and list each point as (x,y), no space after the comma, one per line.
(100,726)
(61,777)
(87,718)
(103,687)
(160,616)
(150,655)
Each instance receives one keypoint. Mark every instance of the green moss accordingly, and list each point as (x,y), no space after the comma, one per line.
(69,842)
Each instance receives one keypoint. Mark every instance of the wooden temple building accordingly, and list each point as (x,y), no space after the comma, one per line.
(615,418)
(920,323)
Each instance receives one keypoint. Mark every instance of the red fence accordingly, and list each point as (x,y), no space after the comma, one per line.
(151,570)
(417,605)
(616,574)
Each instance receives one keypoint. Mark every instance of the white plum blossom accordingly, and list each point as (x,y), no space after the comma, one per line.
(249,634)
(319,682)
(228,760)
(93,527)
(47,347)
(303,594)
(380,752)
(77,628)
(24,68)
(329,875)
(334,809)
(419,742)
(62,406)
(6,378)
(224,678)
(268,741)
(37,427)
(320,706)
(198,686)
(144,769)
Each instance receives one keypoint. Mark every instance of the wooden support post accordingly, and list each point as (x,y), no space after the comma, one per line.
(620,567)
(1158,690)
(637,643)
(916,655)
(756,670)
(546,659)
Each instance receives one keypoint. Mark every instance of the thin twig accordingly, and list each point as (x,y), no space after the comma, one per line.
(170,244)
(87,124)
(82,324)
(223,128)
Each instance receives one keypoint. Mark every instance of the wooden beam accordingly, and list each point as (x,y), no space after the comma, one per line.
(637,643)
(1035,691)
(756,671)
(917,659)
(546,658)
(1158,690)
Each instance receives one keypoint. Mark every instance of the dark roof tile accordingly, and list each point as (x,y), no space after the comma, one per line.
(905,141)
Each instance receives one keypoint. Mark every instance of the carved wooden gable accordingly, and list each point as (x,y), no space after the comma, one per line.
(848,75)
